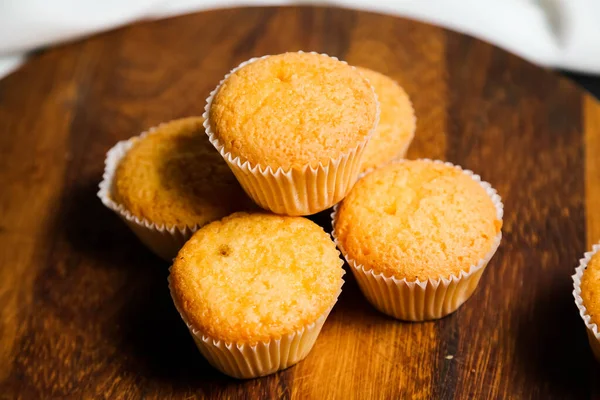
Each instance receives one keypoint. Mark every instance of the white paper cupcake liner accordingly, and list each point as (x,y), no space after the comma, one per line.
(422,300)
(245,361)
(164,241)
(592,329)
(297,191)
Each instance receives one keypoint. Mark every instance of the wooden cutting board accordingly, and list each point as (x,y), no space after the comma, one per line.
(84,307)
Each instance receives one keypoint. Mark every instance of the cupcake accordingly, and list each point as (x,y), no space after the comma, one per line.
(293,128)
(397,122)
(255,290)
(168,182)
(587,295)
(418,235)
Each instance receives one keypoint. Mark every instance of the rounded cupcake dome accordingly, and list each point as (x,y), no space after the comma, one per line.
(255,277)
(417,220)
(418,236)
(293,128)
(293,109)
(173,176)
(397,121)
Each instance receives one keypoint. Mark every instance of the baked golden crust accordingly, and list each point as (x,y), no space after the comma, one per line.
(590,289)
(417,220)
(292,110)
(397,122)
(256,277)
(175,177)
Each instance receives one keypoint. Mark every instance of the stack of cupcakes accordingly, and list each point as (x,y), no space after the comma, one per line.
(291,134)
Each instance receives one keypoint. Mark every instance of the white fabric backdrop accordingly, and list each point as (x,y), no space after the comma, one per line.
(554,33)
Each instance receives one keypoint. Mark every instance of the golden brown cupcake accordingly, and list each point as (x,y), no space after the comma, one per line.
(418,235)
(587,295)
(293,128)
(397,122)
(256,281)
(168,182)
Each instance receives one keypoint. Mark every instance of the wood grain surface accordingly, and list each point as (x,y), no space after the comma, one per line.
(84,307)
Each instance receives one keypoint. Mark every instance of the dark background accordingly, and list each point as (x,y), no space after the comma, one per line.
(590,83)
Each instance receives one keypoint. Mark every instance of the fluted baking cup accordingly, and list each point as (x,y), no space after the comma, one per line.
(429,299)
(302,190)
(251,360)
(592,329)
(165,241)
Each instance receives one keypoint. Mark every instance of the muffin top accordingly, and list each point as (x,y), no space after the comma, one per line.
(397,121)
(175,177)
(292,110)
(590,288)
(254,277)
(417,220)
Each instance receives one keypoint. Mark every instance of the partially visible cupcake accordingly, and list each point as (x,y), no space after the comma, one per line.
(168,182)
(587,295)
(293,128)
(418,235)
(255,290)
(397,122)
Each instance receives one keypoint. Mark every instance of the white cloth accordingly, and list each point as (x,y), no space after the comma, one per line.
(554,33)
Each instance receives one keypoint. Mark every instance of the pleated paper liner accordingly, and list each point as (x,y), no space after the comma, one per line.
(245,361)
(164,241)
(298,191)
(429,299)
(592,329)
